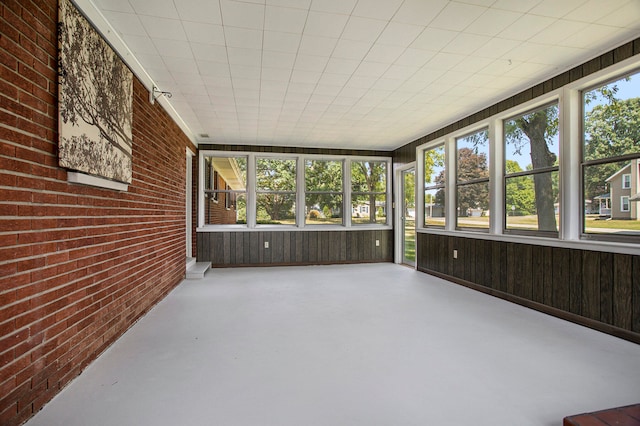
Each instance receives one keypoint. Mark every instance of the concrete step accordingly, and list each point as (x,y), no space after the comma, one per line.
(190,262)
(197,270)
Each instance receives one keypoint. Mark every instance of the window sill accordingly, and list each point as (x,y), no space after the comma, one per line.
(290,228)
(603,246)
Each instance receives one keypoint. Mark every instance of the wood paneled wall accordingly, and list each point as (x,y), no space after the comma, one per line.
(597,289)
(247,248)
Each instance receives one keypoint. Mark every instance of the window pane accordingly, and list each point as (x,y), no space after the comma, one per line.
(323,175)
(531,140)
(362,211)
(611,119)
(225,187)
(276,208)
(434,179)
(473,156)
(323,209)
(530,208)
(434,207)
(604,199)
(434,166)
(472,205)
(369,176)
(275,174)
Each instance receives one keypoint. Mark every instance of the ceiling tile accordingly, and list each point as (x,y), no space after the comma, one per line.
(243,37)
(313,45)
(243,15)
(384,53)
(157,8)
(341,66)
(445,61)
(246,57)
(457,16)
(371,69)
(419,12)
(526,27)
(285,19)
(466,44)
(555,8)
(377,9)
(115,5)
(271,59)
(363,29)
(299,4)
(209,52)
(414,57)
(497,47)
(244,71)
(400,72)
(281,42)
(311,62)
(125,23)
(204,33)
(399,34)
(199,11)
(350,49)
(557,32)
(174,48)
(434,39)
(522,6)
(627,16)
(302,76)
(592,36)
(163,28)
(592,10)
(492,22)
(275,74)
(334,6)
(214,69)
(325,24)
(140,44)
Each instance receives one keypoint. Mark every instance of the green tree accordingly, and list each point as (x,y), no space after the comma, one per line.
(368,183)
(519,191)
(471,165)
(611,129)
(323,185)
(537,130)
(276,185)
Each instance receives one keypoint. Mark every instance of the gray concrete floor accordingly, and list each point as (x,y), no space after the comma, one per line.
(376,344)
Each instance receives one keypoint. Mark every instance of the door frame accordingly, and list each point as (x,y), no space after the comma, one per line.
(189,202)
(398,225)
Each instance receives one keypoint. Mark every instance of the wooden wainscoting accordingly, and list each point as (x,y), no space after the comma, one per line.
(245,248)
(598,289)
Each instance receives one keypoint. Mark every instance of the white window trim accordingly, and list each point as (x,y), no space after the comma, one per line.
(622,203)
(569,100)
(627,181)
(251,224)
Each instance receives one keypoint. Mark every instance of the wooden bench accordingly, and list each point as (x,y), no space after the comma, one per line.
(621,416)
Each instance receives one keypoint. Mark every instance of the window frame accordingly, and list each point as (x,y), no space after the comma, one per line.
(570,184)
(374,193)
(421,183)
(626,181)
(622,204)
(261,156)
(532,172)
(474,181)
(341,193)
(251,191)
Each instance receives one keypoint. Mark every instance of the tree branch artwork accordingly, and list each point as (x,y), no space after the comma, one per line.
(95,101)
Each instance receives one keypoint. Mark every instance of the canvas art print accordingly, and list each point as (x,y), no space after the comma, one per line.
(95,101)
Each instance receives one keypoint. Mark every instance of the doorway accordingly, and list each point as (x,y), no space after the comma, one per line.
(406,214)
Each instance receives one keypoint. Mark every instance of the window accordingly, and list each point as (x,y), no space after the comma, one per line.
(626,181)
(624,204)
(268,189)
(610,150)
(323,192)
(369,191)
(531,171)
(434,186)
(472,186)
(229,173)
(276,191)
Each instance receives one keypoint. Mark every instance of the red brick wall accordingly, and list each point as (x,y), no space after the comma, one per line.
(78,265)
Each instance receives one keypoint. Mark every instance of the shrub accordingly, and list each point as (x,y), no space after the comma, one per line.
(314,214)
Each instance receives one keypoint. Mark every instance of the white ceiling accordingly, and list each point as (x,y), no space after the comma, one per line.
(360,74)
